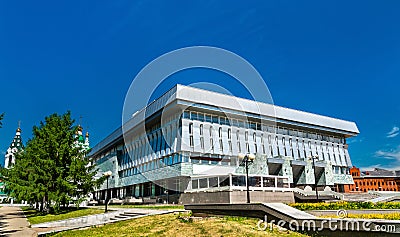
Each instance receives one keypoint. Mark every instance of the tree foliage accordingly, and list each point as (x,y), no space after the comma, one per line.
(1,118)
(52,169)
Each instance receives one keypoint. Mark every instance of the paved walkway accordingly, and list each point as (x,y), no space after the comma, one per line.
(13,223)
(115,215)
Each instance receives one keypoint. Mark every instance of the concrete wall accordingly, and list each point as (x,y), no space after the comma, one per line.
(260,196)
(236,197)
(205,197)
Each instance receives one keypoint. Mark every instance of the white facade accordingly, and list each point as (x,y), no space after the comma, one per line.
(189,131)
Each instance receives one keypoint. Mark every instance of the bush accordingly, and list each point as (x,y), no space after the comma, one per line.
(345,205)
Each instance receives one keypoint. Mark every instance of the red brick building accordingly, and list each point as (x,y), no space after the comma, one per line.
(376,180)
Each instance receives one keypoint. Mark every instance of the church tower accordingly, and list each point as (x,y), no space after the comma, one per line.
(16,146)
(80,140)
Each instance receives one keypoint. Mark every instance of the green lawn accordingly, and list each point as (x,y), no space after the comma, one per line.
(35,217)
(179,225)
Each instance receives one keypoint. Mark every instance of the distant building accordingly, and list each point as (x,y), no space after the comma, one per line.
(203,135)
(82,142)
(375,180)
(15,146)
(9,159)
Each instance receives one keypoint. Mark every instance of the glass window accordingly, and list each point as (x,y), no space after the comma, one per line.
(208,118)
(227,122)
(222,120)
(235,122)
(238,180)
(193,115)
(190,128)
(195,184)
(281,183)
(215,119)
(203,183)
(255,181)
(253,125)
(224,181)
(213,182)
(269,182)
(200,117)
(186,114)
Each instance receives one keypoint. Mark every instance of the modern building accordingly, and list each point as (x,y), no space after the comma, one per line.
(374,180)
(187,134)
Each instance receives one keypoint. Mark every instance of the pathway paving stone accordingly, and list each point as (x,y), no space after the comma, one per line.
(13,223)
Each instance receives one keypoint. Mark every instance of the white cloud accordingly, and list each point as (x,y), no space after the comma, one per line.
(386,154)
(392,154)
(393,133)
(386,167)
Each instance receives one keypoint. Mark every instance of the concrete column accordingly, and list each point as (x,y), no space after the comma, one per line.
(287,168)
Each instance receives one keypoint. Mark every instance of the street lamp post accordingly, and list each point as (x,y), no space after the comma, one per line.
(167,193)
(107,175)
(315,176)
(246,160)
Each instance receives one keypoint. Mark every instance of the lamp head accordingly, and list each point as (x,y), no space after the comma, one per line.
(107,174)
(251,156)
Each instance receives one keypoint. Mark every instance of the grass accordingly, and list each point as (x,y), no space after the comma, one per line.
(156,207)
(181,225)
(35,217)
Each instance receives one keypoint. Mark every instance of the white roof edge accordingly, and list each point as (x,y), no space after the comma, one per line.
(220,100)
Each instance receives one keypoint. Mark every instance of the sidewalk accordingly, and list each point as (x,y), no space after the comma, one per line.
(116,215)
(13,223)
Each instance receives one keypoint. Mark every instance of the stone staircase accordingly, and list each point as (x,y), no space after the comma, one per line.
(359,197)
(125,216)
(309,194)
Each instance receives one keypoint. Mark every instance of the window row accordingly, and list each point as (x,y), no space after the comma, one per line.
(153,165)
(222,120)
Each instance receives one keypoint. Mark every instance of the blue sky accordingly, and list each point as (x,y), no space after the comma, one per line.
(335,58)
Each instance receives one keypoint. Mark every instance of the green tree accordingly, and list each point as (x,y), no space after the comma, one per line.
(1,118)
(53,169)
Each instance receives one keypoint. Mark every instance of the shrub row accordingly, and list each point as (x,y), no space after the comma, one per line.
(346,205)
